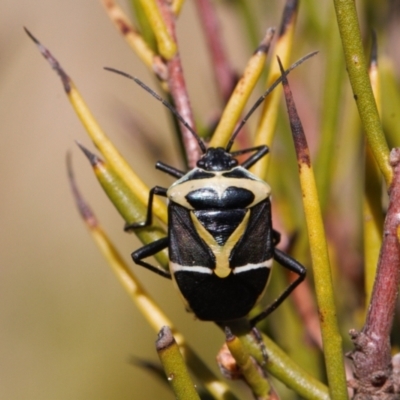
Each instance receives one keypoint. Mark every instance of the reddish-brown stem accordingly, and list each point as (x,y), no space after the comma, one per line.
(225,77)
(177,87)
(372,354)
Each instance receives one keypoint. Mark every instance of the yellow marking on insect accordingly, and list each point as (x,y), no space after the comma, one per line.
(222,253)
(219,183)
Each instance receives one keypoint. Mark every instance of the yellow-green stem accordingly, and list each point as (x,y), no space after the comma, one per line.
(174,366)
(372,206)
(281,366)
(132,37)
(241,93)
(357,69)
(166,45)
(331,338)
(267,124)
(112,155)
(332,341)
(252,374)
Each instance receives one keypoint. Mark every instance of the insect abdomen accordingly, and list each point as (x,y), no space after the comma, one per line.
(220,260)
(212,298)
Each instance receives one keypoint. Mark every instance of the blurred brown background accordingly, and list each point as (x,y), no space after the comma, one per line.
(67,327)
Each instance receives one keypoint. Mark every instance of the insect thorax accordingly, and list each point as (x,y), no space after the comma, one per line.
(218,190)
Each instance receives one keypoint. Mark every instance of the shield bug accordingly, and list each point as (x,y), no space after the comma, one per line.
(220,240)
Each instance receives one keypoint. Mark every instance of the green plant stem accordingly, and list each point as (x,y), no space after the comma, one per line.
(253,376)
(358,74)
(127,204)
(283,48)
(131,35)
(241,93)
(166,44)
(282,367)
(174,366)
(332,341)
(144,25)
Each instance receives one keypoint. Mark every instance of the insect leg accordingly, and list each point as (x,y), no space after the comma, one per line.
(294,266)
(149,217)
(258,336)
(149,250)
(276,237)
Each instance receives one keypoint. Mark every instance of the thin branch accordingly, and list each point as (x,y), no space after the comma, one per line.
(225,77)
(174,366)
(165,41)
(283,48)
(357,68)
(177,87)
(233,110)
(130,33)
(332,340)
(99,137)
(372,354)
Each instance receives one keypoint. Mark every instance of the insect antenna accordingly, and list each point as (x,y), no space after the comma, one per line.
(263,96)
(164,102)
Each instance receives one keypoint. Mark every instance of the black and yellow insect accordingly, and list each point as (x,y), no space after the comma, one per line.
(220,239)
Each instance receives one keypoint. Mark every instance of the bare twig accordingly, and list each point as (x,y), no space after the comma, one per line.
(372,354)
(225,77)
(177,87)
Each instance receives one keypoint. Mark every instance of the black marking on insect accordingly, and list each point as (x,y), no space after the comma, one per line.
(220,239)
